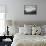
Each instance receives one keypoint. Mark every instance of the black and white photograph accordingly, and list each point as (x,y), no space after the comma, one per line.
(30,9)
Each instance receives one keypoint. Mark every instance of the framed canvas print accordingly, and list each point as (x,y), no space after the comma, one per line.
(30,9)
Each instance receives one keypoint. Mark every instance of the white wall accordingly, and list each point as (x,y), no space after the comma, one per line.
(15,10)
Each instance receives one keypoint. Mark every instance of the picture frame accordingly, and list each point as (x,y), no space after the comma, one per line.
(30,9)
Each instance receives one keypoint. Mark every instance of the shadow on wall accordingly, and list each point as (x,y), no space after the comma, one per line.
(21,23)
